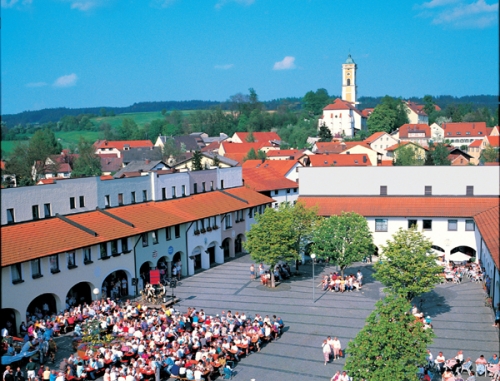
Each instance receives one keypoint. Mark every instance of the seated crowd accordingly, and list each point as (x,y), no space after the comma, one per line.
(338,283)
(158,343)
(457,272)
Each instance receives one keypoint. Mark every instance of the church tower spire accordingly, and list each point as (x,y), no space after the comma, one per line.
(349,80)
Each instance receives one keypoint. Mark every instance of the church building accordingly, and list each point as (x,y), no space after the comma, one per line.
(342,117)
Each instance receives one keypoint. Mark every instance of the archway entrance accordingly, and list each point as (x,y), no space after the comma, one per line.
(211,255)
(78,294)
(144,271)
(238,244)
(226,247)
(197,260)
(464,249)
(8,320)
(42,306)
(115,285)
(162,265)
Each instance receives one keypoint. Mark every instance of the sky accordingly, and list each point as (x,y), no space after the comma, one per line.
(113,53)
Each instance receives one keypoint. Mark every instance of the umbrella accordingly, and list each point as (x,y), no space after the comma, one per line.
(459,257)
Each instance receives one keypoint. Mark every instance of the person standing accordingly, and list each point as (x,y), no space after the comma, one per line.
(327,351)
(359,277)
(31,369)
(252,272)
(336,348)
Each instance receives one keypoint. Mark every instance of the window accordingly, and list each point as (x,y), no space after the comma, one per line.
(10,216)
(71,260)
(276,205)
(144,195)
(275,192)
(125,248)
(470,226)
(132,197)
(250,213)
(82,201)
(288,190)
(168,233)
(36,271)
(427,224)
(144,237)
(428,190)
(183,190)
(54,264)
(222,184)
(195,188)
(72,203)
(174,195)
(211,185)
(16,272)
(240,216)
(87,255)
(106,201)
(103,247)
(154,235)
(120,198)
(203,187)
(35,212)
(229,223)
(177,231)
(381,225)
(452,225)
(114,247)
(163,193)
(383,190)
(412,224)
(469,191)
(46,210)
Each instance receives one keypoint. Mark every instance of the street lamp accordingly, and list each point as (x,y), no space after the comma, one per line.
(96,292)
(313,257)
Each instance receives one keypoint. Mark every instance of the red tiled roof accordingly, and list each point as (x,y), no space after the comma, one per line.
(340,160)
(367,111)
(236,157)
(25,241)
(266,178)
(259,136)
(339,104)
(476,143)
(465,129)
(329,147)
(386,163)
(406,129)
(282,167)
(214,146)
(120,144)
(418,109)
(488,225)
(106,177)
(393,206)
(493,141)
(370,139)
(2,165)
(295,153)
(242,147)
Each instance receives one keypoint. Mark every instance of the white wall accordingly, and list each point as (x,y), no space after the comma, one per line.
(281,195)
(366,181)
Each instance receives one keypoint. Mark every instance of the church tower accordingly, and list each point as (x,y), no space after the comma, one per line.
(349,80)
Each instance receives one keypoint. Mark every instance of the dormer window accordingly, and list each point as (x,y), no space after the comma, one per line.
(480,132)
(467,133)
(459,133)
(448,133)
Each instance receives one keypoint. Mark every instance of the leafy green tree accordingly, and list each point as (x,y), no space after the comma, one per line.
(280,234)
(250,138)
(409,266)
(391,345)
(437,155)
(325,135)
(387,116)
(489,155)
(430,108)
(261,155)
(314,102)
(155,129)
(345,239)
(408,155)
(171,149)
(197,158)
(127,129)
(251,155)
(102,111)
(88,164)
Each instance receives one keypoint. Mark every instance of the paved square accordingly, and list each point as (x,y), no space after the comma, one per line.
(460,319)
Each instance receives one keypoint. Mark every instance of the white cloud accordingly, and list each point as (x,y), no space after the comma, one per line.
(287,63)
(66,80)
(12,3)
(36,84)
(83,5)
(224,67)
(461,13)
(162,3)
(221,3)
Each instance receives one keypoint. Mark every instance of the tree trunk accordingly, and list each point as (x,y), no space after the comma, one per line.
(273,284)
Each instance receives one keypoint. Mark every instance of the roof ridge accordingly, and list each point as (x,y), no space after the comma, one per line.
(77,225)
(116,217)
(233,196)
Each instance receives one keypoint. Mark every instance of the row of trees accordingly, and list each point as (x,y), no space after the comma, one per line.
(393,343)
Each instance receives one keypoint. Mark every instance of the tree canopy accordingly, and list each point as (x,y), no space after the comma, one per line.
(314,102)
(280,234)
(344,239)
(437,154)
(408,155)
(391,345)
(197,158)
(324,135)
(408,267)
(87,164)
(387,116)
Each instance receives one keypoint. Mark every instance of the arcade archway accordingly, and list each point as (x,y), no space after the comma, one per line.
(226,247)
(464,249)
(144,271)
(10,319)
(238,243)
(115,285)
(43,305)
(80,293)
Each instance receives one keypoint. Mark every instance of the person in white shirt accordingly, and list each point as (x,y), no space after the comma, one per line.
(344,376)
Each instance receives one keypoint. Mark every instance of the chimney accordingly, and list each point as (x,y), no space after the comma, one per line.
(147,161)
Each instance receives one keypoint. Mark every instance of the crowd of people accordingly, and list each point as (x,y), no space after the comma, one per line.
(281,272)
(335,282)
(151,343)
(458,272)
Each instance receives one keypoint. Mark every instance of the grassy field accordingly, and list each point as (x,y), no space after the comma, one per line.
(70,138)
